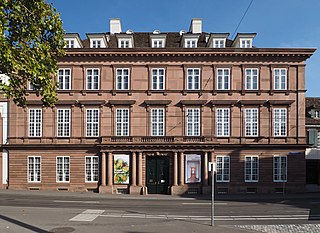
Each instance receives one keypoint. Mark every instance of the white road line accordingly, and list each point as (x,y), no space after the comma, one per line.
(85,202)
(87,216)
(207,203)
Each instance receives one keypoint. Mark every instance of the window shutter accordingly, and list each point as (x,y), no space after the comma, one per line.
(313,133)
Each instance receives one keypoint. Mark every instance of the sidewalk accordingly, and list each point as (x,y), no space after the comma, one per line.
(221,197)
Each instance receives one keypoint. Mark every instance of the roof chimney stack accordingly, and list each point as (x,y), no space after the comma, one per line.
(115,26)
(196,26)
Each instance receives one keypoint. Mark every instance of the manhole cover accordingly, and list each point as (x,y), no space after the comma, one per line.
(62,230)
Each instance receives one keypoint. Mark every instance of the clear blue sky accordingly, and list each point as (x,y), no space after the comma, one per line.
(278,23)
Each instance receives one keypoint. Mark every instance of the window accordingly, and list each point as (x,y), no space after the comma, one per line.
(279,168)
(223,79)
(125,43)
(280,79)
(251,122)
(245,43)
(64,79)
(223,168)
(157,122)
(317,114)
(223,122)
(63,126)
(93,79)
(251,168)
(193,122)
(92,168)
(34,168)
(251,79)
(122,79)
(96,43)
(158,79)
(280,122)
(190,43)
(92,122)
(70,43)
(193,79)
(63,169)
(219,43)
(157,43)
(122,122)
(35,122)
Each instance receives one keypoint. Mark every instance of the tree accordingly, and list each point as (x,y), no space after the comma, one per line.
(31,40)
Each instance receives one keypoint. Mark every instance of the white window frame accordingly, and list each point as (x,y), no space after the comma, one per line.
(317,114)
(64,123)
(157,122)
(65,174)
(245,43)
(223,78)
(190,43)
(193,122)
(219,43)
(35,122)
(122,122)
(223,122)
(122,79)
(124,43)
(157,79)
(157,43)
(93,79)
(280,76)
(193,79)
(92,122)
(70,43)
(280,116)
(92,169)
(223,171)
(251,79)
(253,174)
(34,172)
(251,123)
(64,79)
(96,43)
(278,174)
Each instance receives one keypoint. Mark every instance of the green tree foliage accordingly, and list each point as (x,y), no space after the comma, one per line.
(31,40)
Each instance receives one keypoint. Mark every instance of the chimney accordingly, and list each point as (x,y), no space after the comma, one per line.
(196,26)
(115,26)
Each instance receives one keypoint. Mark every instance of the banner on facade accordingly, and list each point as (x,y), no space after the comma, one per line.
(193,169)
(121,169)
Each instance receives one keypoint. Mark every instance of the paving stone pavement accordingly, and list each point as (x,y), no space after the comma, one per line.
(283,228)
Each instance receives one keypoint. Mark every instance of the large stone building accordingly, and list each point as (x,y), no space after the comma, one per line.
(145,113)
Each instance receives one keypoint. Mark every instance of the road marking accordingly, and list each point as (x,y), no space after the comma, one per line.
(84,202)
(87,216)
(207,203)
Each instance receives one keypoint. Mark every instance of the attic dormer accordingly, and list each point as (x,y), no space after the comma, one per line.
(97,40)
(217,40)
(125,40)
(157,40)
(72,40)
(243,40)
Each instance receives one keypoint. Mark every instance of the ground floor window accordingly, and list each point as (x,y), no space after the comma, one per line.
(121,169)
(251,168)
(63,169)
(193,168)
(92,168)
(34,169)
(279,168)
(223,168)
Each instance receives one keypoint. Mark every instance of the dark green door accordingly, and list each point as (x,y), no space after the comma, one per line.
(157,174)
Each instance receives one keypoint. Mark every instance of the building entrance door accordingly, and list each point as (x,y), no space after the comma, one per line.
(157,174)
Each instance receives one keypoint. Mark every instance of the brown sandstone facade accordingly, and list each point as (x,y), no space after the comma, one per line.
(166,151)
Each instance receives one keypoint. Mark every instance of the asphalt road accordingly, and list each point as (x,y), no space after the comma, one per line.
(74,212)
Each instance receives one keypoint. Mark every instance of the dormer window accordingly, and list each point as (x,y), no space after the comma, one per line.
(190,43)
(219,43)
(317,114)
(157,43)
(70,43)
(95,43)
(125,43)
(245,43)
